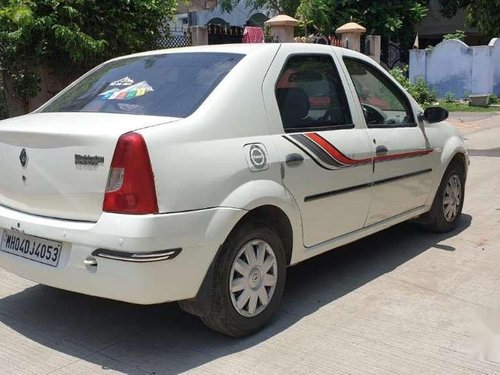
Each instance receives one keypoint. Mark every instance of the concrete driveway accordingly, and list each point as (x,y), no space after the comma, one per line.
(401,301)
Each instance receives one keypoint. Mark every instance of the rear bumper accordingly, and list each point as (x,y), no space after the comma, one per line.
(179,248)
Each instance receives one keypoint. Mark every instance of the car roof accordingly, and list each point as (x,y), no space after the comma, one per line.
(242,48)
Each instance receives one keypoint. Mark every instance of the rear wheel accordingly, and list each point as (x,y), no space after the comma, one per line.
(249,279)
(448,202)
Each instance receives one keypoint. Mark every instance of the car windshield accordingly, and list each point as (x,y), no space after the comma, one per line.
(171,85)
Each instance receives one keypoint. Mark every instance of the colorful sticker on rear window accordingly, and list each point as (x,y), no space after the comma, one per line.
(139,89)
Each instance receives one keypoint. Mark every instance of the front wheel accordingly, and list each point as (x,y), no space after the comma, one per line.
(249,279)
(448,202)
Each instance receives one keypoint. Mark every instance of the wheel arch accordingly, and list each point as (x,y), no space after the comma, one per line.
(271,202)
(461,158)
(276,218)
(276,208)
(271,214)
(433,219)
(453,150)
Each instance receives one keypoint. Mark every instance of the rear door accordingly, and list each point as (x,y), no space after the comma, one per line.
(402,174)
(326,159)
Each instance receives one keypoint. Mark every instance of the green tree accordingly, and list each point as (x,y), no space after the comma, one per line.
(314,15)
(393,19)
(70,36)
(457,35)
(483,14)
(276,6)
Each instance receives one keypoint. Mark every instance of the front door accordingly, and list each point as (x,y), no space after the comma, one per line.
(326,159)
(403,160)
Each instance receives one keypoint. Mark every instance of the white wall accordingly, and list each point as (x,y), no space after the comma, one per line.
(482,70)
(495,58)
(453,66)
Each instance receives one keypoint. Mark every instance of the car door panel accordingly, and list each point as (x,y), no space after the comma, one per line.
(402,176)
(329,168)
(332,186)
(402,171)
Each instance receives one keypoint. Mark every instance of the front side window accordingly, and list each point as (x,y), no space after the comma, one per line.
(171,85)
(310,95)
(384,105)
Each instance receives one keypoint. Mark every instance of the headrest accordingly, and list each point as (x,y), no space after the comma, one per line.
(293,103)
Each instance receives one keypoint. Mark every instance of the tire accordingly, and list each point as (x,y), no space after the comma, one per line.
(225,315)
(451,193)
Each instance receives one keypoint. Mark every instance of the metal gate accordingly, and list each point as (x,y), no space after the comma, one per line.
(175,41)
(175,38)
(394,56)
(218,34)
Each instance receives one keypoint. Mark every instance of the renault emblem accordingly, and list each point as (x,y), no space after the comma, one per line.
(23,157)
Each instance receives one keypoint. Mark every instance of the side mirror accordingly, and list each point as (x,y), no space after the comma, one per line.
(435,114)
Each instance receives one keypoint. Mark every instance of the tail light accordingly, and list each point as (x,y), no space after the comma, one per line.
(131,187)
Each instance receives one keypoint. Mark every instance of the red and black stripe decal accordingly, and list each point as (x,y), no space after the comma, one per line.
(403,155)
(328,156)
(315,151)
(334,152)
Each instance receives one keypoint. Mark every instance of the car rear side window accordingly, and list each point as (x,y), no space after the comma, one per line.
(310,95)
(171,85)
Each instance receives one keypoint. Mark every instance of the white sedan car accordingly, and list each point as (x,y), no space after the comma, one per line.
(200,174)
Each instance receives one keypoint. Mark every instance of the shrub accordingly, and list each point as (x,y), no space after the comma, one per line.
(71,36)
(400,74)
(422,93)
(493,99)
(449,97)
(457,35)
(419,90)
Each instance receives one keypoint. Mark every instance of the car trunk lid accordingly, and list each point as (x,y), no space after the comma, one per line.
(57,164)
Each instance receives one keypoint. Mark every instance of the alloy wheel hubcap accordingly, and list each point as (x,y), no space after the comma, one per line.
(253,278)
(452,198)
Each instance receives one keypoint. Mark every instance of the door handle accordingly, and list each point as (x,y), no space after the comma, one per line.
(294,159)
(381,150)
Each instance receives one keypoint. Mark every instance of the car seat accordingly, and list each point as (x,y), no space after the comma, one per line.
(293,103)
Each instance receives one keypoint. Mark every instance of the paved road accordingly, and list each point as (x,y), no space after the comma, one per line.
(469,122)
(398,302)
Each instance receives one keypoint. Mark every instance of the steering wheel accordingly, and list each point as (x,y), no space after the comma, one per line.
(373,115)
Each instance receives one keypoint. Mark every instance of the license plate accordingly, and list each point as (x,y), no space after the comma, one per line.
(30,247)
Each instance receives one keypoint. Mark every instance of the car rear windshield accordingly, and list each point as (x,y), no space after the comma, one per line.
(171,85)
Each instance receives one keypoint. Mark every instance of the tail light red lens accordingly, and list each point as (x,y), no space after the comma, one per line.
(131,187)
